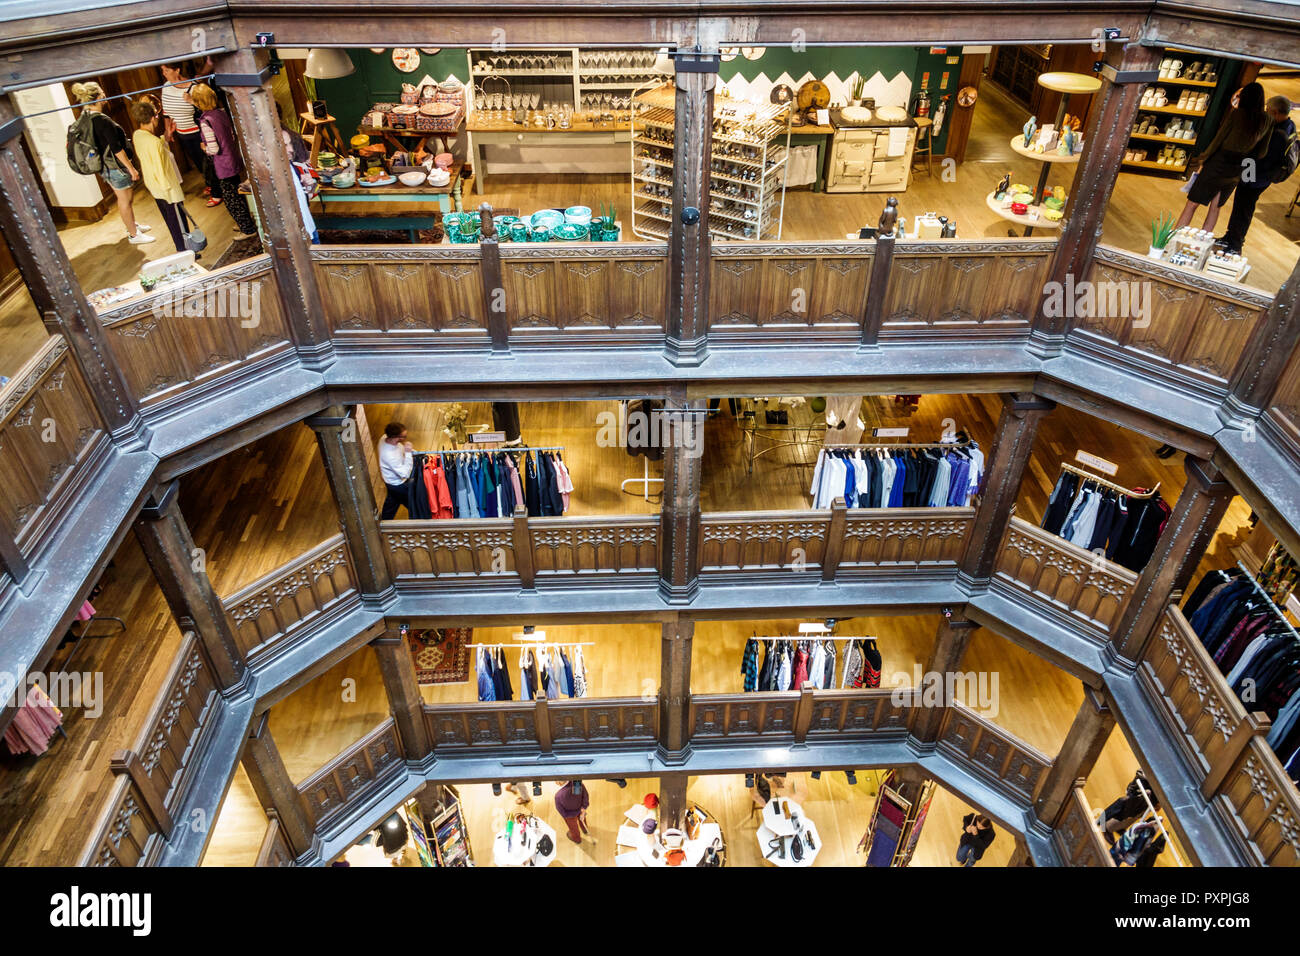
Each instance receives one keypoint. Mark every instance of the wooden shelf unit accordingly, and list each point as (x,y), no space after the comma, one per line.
(1144,140)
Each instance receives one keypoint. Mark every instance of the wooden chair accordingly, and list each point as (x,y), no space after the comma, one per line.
(924,144)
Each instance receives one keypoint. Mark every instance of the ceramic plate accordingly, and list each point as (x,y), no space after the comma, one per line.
(386,181)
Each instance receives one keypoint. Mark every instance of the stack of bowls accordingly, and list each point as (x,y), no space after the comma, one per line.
(578,215)
(546,219)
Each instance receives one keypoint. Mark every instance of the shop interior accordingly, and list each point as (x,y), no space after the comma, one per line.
(587,133)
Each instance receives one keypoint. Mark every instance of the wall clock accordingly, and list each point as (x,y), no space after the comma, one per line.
(406,58)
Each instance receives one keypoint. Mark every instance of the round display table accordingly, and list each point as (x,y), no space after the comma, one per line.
(659,848)
(783,824)
(517,846)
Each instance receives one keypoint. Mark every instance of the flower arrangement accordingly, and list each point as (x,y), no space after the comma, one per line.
(454,423)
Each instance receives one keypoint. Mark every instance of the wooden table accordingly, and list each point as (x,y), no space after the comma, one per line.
(581,135)
(395,136)
(444,196)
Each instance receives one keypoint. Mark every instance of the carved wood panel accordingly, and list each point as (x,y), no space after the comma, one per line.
(530,294)
(347,777)
(450,548)
(126,830)
(735,288)
(890,536)
(637,292)
(1285,407)
(762,540)
(1266,804)
(996,288)
(597,720)
(839,294)
(579,545)
(180,711)
(785,295)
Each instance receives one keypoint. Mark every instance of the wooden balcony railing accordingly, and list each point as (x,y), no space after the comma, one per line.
(585,293)
(774,290)
(1283,414)
(154,776)
(376,757)
(1192,328)
(615,544)
(275,849)
(52,440)
(439,550)
(1222,744)
(889,537)
(798,715)
(972,289)
(1012,763)
(188,341)
(574,724)
(1076,836)
(278,607)
(1085,586)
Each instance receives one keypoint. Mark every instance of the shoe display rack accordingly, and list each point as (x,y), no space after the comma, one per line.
(751,144)
(1172,111)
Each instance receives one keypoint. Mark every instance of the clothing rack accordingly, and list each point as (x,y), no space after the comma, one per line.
(477,451)
(807,637)
(538,644)
(1096,479)
(1277,611)
(888,446)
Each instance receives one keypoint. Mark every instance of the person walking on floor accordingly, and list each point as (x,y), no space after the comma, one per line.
(158,168)
(976,835)
(218,134)
(1278,164)
(1243,133)
(117,168)
(182,126)
(396,460)
(571,800)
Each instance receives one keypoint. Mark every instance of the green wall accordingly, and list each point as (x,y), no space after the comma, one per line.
(376,80)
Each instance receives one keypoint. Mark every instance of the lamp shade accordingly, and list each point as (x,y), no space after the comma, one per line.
(663,62)
(324,63)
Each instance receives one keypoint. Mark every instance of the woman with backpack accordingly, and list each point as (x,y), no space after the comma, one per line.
(108,140)
(158,168)
(219,143)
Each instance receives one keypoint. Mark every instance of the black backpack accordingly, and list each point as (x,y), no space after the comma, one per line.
(83,155)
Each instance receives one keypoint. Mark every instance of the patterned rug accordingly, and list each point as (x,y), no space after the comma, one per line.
(440,655)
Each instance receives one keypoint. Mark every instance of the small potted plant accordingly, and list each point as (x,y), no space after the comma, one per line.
(454,428)
(1161,231)
(858,85)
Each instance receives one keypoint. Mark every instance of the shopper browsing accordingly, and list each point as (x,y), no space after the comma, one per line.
(976,835)
(218,134)
(182,126)
(109,142)
(158,168)
(1279,162)
(1243,134)
(572,800)
(396,459)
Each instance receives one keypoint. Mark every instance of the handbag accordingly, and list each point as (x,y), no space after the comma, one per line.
(796,848)
(195,240)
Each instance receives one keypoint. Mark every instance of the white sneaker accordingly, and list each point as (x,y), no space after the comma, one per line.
(141,227)
(140,239)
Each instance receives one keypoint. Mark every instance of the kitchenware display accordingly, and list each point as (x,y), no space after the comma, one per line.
(519,231)
(439,177)
(504,224)
(406,59)
(358,141)
(327,160)
(1019,208)
(408,176)
(468,228)
(570,232)
(856,114)
(539,234)
(578,214)
(345,179)
(442,160)
(381,181)
(546,219)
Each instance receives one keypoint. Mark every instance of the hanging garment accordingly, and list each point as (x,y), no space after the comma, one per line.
(483,671)
(532,496)
(749,666)
(33,724)
(527,685)
(551,677)
(786,673)
(505,419)
(872,664)
(853,660)
(765,671)
(1085,520)
(552,501)
(488,487)
(816,666)
(568,673)
(501,676)
(565,482)
(419,492)
(579,673)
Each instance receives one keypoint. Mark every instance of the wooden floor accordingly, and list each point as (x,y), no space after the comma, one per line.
(102,257)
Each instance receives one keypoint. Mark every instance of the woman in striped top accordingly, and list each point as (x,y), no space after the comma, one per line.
(183,126)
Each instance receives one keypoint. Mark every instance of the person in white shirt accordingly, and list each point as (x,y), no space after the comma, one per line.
(395,464)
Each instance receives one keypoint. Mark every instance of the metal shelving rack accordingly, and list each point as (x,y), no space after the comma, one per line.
(746,141)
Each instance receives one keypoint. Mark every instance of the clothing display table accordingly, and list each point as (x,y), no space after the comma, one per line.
(784,820)
(519,846)
(638,848)
(802,428)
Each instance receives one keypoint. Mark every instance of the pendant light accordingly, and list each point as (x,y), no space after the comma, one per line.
(326,63)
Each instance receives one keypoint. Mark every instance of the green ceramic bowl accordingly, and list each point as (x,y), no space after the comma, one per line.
(519,231)
(539,234)
(570,232)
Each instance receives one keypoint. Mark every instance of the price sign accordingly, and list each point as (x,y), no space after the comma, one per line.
(890,432)
(497,437)
(1099,464)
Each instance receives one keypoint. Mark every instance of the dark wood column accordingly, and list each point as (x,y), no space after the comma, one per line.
(274,787)
(688,238)
(881,264)
(1187,535)
(1004,468)
(26,223)
(672,799)
(1128,68)
(349,480)
(404,699)
(13,561)
(949,649)
(675,643)
(244,76)
(1083,745)
(1267,352)
(180,571)
(682,428)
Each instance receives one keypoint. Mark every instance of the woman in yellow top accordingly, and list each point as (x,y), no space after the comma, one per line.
(158,167)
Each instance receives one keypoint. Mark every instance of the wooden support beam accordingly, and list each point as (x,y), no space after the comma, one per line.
(1004,469)
(682,428)
(672,799)
(676,639)
(1267,353)
(1110,124)
(275,188)
(274,787)
(128,762)
(405,702)
(338,438)
(38,252)
(950,644)
(494,289)
(521,536)
(834,540)
(882,262)
(688,240)
(1187,535)
(181,571)
(1084,743)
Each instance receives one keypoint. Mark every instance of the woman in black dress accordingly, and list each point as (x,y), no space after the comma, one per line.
(1243,133)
